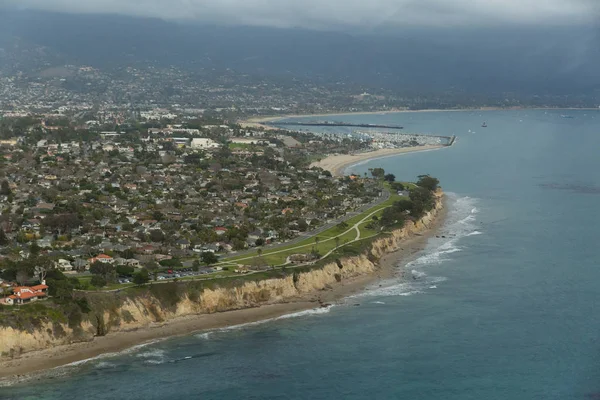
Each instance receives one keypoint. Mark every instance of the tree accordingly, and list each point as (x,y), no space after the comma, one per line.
(125,270)
(105,270)
(34,249)
(422,201)
(392,217)
(152,268)
(42,267)
(3,238)
(428,182)
(259,242)
(378,173)
(195,265)
(5,188)
(128,253)
(259,261)
(141,277)
(397,186)
(209,258)
(390,177)
(98,281)
(61,289)
(156,235)
(23,276)
(403,205)
(337,242)
(302,225)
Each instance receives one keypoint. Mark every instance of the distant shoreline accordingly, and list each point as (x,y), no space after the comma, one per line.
(258,121)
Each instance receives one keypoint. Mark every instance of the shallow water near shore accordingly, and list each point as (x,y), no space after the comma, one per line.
(503,307)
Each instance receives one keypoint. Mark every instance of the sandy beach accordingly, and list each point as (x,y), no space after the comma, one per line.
(45,363)
(336,164)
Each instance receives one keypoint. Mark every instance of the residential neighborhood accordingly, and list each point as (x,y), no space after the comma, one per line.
(160,197)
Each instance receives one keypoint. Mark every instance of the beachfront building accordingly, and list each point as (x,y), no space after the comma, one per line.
(27,294)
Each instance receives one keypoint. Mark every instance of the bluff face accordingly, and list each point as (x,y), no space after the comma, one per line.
(118,312)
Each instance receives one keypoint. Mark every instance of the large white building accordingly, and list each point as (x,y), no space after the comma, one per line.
(204,143)
(249,140)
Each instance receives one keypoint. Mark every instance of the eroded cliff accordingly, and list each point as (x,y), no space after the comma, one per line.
(122,311)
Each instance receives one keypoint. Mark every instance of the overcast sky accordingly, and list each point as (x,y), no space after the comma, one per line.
(322,14)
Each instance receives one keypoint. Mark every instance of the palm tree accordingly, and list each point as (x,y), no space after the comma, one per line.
(257,262)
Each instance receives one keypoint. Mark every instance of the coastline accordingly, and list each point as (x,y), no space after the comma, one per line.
(338,163)
(49,362)
(256,122)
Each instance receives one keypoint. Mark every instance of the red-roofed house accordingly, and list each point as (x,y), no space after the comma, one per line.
(26,294)
(103,258)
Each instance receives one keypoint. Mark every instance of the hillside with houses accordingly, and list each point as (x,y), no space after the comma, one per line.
(158,196)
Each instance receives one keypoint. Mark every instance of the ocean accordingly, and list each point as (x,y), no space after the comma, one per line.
(503,307)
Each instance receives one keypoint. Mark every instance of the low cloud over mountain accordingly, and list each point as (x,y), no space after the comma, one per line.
(339,14)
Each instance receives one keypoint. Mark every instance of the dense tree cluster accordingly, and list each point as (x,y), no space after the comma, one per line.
(421,200)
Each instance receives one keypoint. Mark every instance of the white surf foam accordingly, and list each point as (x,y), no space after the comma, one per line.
(129,350)
(305,313)
(460,223)
(204,335)
(155,353)
(105,365)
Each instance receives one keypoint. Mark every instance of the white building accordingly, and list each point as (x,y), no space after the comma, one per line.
(64,265)
(248,140)
(204,143)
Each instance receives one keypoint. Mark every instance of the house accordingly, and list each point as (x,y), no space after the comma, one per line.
(132,262)
(183,244)
(103,258)
(26,294)
(45,242)
(147,249)
(220,230)
(120,261)
(63,265)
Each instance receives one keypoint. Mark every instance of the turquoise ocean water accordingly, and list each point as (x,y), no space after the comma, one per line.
(505,306)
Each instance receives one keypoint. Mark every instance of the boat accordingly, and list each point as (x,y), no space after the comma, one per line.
(484,125)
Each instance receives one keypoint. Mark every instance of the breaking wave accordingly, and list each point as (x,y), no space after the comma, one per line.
(305,313)
(461,223)
(155,356)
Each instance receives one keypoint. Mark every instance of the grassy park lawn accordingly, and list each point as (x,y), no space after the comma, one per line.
(327,240)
